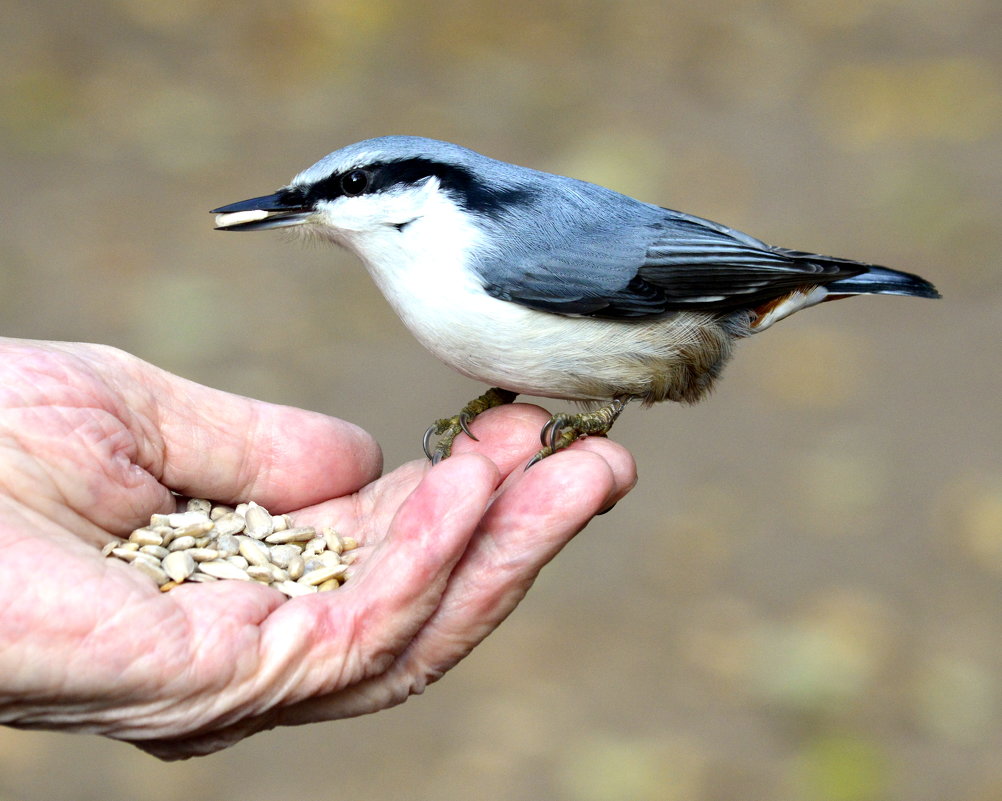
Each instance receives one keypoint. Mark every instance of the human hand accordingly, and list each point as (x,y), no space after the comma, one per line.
(93,441)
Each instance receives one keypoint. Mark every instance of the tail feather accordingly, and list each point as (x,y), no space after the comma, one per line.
(869,280)
(883,281)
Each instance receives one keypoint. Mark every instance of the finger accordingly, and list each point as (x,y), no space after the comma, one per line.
(620,461)
(508,435)
(524,528)
(331,640)
(208,443)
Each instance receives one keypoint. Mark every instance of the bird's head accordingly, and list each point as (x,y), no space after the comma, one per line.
(369,190)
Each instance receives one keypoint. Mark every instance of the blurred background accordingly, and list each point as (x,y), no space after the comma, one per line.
(801,599)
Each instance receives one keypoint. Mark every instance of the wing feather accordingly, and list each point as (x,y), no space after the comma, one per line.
(650,261)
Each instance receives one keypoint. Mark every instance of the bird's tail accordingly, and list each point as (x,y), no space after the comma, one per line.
(882,281)
(869,280)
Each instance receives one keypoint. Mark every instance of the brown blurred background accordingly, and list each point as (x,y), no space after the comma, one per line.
(801,599)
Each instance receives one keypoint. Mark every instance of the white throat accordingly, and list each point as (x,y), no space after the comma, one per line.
(416,245)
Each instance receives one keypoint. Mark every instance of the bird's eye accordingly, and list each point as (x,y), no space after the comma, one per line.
(354,182)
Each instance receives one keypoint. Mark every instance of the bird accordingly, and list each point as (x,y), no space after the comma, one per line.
(543,285)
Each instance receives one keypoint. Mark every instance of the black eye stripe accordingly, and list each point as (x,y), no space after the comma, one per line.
(294,197)
(456,180)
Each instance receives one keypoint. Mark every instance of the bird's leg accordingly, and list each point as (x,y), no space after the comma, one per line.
(448,428)
(563,429)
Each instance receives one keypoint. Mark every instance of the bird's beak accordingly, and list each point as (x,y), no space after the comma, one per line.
(270,211)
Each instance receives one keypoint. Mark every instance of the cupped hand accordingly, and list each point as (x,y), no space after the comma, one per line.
(93,441)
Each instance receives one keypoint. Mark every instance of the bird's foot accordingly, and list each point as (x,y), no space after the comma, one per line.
(448,428)
(563,429)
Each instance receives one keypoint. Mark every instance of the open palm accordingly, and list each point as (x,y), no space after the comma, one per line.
(93,441)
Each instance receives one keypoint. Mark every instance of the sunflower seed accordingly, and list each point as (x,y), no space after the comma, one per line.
(179,565)
(298,534)
(292,589)
(320,575)
(223,570)
(227,545)
(220,511)
(230,523)
(281,554)
(182,543)
(199,505)
(259,522)
(328,558)
(280,522)
(195,529)
(110,546)
(182,519)
(333,540)
(297,566)
(143,536)
(254,552)
(261,573)
(315,546)
(156,551)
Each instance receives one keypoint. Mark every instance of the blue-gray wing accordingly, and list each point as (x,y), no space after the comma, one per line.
(667,262)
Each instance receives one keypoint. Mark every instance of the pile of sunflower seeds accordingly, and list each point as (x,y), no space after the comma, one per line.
(244,543)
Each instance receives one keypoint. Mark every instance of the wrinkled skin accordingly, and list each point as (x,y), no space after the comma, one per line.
(92,441)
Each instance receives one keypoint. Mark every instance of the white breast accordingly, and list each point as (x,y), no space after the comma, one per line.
(420,270)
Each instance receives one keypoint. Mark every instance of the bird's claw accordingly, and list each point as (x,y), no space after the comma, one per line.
(559,432)
(448,428)
(563,429)
(433,430)
(538,457)
(464,423)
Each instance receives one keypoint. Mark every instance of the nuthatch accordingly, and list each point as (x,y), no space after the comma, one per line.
(543,285)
